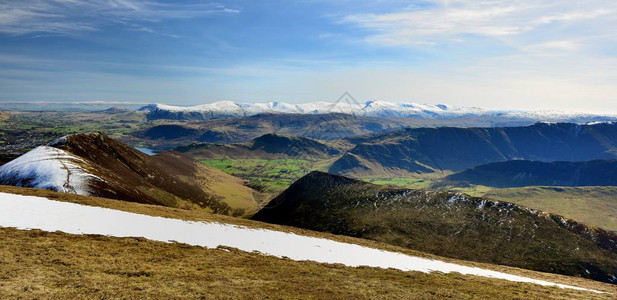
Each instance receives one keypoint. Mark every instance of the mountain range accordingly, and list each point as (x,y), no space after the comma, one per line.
(437,151)
(428,150)
(239,130)
(373,108)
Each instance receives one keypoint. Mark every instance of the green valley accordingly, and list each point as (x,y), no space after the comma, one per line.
(267,175)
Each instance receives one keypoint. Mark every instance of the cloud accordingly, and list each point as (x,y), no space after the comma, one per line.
(552,47)
(67,17)
(448,21)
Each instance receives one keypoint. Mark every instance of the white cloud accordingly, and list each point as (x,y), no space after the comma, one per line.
(66,17)
(526,54)
(580,15)
(447,21)
(552,47)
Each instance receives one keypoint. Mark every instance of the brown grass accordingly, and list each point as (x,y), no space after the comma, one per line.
(133,259)
(592,205)
(36,264)
(232,189)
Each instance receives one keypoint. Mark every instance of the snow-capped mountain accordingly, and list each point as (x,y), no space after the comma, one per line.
(373,108)
(93,164)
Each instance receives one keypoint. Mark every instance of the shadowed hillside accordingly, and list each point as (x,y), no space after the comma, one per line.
(519,173)
(240,130)
(269,146)
(425,150)
(447,224)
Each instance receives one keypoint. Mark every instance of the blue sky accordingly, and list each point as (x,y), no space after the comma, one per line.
(533,54)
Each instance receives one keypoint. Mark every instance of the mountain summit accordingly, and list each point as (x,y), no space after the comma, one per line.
(95,165)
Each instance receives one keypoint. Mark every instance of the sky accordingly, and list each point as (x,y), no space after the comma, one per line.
(532,54)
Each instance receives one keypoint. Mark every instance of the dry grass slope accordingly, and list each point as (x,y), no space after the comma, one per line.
(593,205)
(36,264)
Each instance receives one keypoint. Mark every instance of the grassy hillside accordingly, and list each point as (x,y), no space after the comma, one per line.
(447,224)
(38,264)
(269,163)
(55,265)
(596,206)
(519,173)
(591,205)
(266,175)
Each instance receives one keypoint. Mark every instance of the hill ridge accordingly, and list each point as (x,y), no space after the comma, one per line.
(425,150)
(521,173)
(447,224)
(122,172)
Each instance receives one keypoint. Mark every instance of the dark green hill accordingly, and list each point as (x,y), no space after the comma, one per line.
(240,130)
(519,173)
(268,146)
(446,224)
(424,150)
(169,132)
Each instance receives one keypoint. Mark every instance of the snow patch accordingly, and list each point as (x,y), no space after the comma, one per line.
(28,212)
(599,122)
(48,168)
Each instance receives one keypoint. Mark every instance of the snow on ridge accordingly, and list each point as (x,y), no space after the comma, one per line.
(29,212)
(599,123)
(219,107)
(49,168)
(372,108)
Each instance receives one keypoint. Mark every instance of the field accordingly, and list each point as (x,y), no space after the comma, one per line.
(266,175)
(21,131)
(275,175)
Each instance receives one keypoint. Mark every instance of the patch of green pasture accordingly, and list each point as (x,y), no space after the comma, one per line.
(270,175)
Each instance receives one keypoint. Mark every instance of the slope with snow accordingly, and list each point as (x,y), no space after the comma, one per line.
(28,212)
(373,108)
(50,168)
